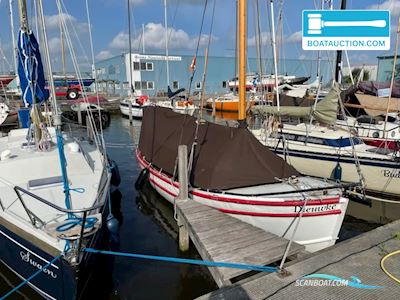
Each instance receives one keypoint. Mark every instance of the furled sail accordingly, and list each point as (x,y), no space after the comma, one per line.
(224,157)
(325,111)
(30,69)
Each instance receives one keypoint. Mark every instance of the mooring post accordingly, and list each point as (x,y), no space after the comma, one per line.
(130,112)
(213,108)
(183,195)
(79,114)
(89,130)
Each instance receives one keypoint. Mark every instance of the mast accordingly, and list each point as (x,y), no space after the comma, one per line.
(339,53)
(143,38)
(275,55)
(385,134)
(130,49)
(242,59)
(10,5)
(166,40)
(62,49)
(258,44)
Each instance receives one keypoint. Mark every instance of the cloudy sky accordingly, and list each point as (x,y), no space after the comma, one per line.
(109,24)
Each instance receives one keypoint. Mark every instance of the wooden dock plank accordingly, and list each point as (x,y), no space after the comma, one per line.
(359,256)
(220,237)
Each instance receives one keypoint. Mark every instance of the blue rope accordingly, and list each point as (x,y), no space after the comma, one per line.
(30,278)
(188,261)
(90,222)
(63,162)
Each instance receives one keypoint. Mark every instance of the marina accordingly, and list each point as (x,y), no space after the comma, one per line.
(158,163)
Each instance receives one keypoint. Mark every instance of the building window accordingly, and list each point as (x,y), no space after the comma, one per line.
(198,85)
(224,84)
(175,85)
(150,85)
(136,66)
(137,85)
(143,66)
(118,86)
(125,85)
(111,70)
(144,85)
(149,66)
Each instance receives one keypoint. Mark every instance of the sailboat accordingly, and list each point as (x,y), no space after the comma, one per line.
(174,102)
(133,105)
(230,170)
(7,116)
(327,146)
(326,150)
(53,187)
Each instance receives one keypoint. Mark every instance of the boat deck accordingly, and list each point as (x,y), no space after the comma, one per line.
(359,256)
(221,238)
(40,173)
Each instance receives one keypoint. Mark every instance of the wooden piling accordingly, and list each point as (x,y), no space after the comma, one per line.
(183,172)
(213,108)
(183,195)
(79,114)
(130,112)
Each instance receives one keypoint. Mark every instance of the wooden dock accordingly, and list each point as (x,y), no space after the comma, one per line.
(222,238)
(359,256)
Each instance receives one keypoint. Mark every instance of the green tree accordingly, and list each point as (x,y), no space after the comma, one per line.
(356,74)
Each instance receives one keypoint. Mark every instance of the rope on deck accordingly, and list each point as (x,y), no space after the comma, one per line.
(30,278)
(188,261)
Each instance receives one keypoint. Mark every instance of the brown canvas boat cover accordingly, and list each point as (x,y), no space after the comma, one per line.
(224,158)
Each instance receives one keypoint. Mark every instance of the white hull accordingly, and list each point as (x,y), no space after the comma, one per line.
(137,110)
(319,227)
(180,107)
(7,117)
(381,172)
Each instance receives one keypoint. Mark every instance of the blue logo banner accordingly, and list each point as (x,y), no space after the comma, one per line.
(346,30)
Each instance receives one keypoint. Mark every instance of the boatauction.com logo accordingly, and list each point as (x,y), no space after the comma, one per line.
(331,280)
(346,30)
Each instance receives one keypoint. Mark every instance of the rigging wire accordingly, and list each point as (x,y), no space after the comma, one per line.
(197,47)
(95,80)
(60,6)
(200,115)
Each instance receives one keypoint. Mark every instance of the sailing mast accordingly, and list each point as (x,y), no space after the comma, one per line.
(338,68)
(10,4)
(131,90)
(242,59)
(275,55)
(166,41)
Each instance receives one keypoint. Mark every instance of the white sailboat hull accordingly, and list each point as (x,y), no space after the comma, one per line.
(380,172)
(137,110)
(319,226)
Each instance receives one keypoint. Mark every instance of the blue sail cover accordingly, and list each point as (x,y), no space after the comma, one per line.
(30,69)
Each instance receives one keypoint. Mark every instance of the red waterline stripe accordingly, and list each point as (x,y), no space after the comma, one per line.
(259,214)
(280,215)
(310,202)
(267,203)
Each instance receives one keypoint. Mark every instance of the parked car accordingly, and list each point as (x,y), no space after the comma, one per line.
(67,90)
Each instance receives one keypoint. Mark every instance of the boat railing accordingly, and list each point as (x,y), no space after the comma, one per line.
(35,219)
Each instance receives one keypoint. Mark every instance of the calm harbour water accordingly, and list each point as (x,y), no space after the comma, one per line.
(148,227)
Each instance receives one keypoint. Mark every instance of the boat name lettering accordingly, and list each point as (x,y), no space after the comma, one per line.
(26,258)
(391,173)
(315,209)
